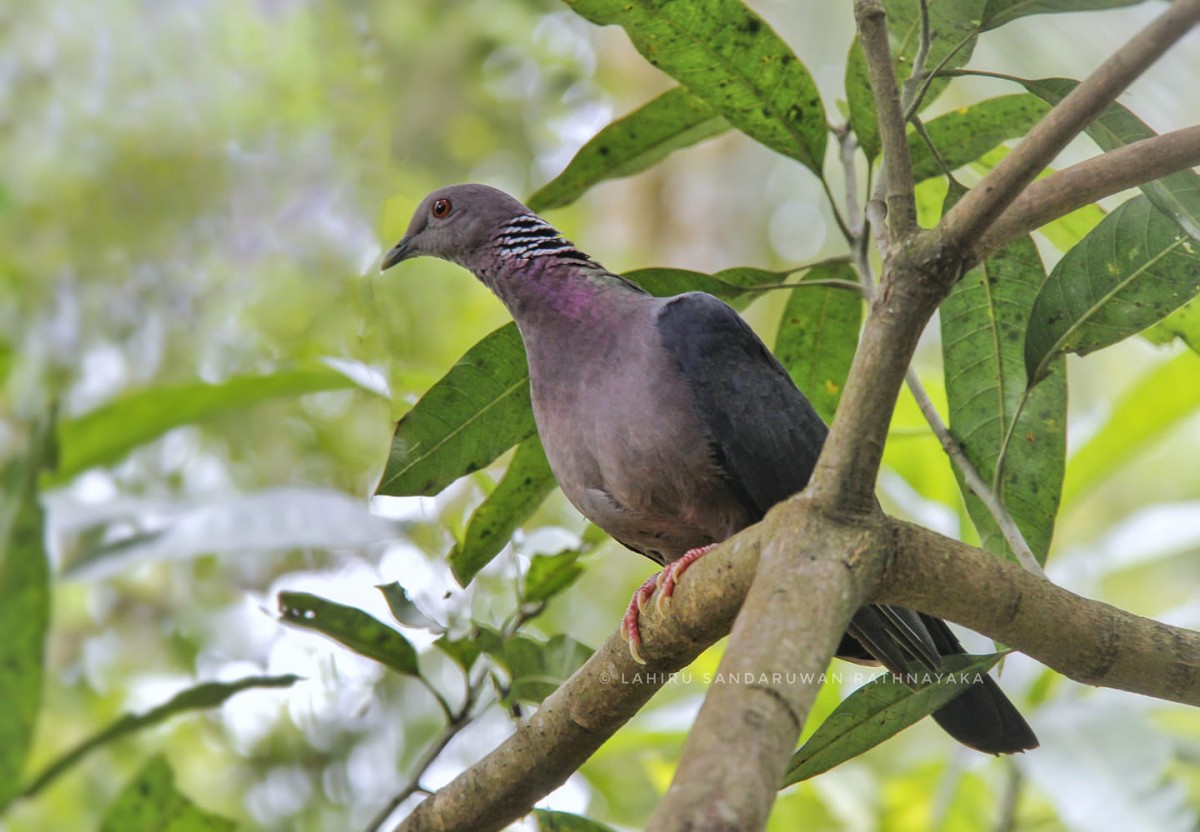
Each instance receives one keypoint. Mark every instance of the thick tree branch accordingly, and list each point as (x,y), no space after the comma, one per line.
(898,176)
(982,205)
(1085,640)
(734,759)
(1088,641)
(1061,193)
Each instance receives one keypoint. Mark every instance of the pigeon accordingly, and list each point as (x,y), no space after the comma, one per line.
(668,423)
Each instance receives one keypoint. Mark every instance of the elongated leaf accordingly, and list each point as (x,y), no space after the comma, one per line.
(350,627)
(727,55)
(962,136)
(1014,435)
(151,803)
(524,486)
(201,697)
(24,608)
(878,711)
(474,413)
(818,335)
(1145,412)
(954,29)
(549,575)
(860,101)
(999,12)
(1135,268)
(672,121)
(405,610)
(1176,195)
(110,432)
(548,821)
(737,286)
(1183,323)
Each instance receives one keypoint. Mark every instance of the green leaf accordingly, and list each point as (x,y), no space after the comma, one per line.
(525,484)
(201,697)
(962,136)
(1176,195)
(548,821)
(999,12)
(860,101)
(464,651)
(1135,268)
(818,335)
(404,609)
(1183,323)
(1144,413)
(151,803)
(352,628)
(1014,435)
(109,432)
(727,55)
(549,575)
(536,667)
(954,29)
(878,711)
(474,413)
(737,286)
(24,607)
(672,121)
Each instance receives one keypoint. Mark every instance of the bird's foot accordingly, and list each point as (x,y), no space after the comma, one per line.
(629,624)
(665,582)
(668,579)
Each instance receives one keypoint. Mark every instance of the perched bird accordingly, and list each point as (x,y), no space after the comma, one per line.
(667,422)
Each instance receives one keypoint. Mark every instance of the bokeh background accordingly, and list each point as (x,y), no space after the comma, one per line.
(200,189)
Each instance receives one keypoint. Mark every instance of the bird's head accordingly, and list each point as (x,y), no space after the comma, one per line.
(456,223)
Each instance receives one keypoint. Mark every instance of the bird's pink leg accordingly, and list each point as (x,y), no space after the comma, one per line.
(665,581)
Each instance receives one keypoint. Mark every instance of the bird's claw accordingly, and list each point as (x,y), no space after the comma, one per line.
(665,582)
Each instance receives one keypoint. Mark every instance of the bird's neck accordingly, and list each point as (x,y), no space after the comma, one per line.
(544,293)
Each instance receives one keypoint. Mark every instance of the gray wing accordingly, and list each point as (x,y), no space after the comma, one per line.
(766,438)
(765,435)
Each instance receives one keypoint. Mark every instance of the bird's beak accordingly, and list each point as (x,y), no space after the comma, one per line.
(401,251)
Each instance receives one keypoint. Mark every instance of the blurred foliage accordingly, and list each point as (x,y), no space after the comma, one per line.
(193,198)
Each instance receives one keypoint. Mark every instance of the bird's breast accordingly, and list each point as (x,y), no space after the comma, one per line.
(619,430)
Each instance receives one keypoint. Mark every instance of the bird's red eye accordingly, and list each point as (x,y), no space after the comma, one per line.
(441,208)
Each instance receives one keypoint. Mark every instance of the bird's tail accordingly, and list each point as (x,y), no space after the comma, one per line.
(982,717)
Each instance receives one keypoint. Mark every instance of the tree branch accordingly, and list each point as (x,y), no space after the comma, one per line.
(897,165)
(735,757)
(982,205)
(1061,193)
(1088,641)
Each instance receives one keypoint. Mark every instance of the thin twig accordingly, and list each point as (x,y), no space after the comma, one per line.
(972,478)
(917,75)
(1006,810)
(833,282)
(898,188)
(458,720)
